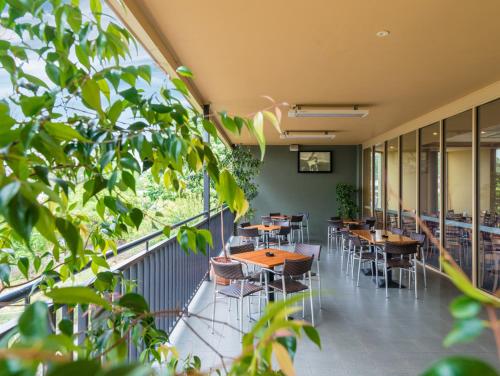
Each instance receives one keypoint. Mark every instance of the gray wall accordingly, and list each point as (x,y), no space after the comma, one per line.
(283,189)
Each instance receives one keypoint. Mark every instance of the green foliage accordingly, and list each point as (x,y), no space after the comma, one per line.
(460,366)
(346,200)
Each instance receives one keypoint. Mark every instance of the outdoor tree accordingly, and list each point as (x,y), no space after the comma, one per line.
(81,138)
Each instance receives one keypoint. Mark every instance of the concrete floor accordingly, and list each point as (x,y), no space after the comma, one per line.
(362,332)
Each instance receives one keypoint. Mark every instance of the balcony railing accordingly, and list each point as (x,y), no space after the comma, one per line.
(164,274)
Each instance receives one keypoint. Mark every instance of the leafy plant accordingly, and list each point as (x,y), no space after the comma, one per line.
(244,167)
(78,139)
(346,200)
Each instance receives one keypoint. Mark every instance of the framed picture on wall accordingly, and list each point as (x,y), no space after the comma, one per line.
(314,162)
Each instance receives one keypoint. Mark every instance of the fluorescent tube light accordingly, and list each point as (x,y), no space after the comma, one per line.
(307,135)
(299,111)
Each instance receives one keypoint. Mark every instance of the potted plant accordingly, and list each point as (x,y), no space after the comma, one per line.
(347,208)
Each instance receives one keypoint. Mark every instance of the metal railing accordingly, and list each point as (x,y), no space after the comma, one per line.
(164,274)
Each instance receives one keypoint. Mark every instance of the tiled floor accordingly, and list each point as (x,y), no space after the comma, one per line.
(363,333)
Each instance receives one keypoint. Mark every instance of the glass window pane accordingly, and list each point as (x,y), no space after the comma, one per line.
(489,196)
(392,192)
(409,181)
(379,185)
(367,174)
(430,192)
(458,203)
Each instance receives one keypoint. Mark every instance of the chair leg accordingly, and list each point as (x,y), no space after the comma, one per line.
(352,263)
(359,270)
(385,277)
(241,317)
(415,271)
(424,268)
(311,299)
(319,286)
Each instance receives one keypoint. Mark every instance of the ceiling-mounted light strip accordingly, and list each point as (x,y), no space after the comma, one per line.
(307,135)
(299,111)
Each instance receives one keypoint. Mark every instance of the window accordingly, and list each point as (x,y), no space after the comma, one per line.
(367,175)
(378,184)
(430,192)
(458,194)
(392,192)
(489,196)
(408,181)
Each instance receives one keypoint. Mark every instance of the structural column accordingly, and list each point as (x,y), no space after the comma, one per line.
(206,184)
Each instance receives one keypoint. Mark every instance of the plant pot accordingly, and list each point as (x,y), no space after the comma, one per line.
(219,280)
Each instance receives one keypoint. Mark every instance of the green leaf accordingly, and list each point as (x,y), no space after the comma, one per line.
(134,302)
(77,295)
(5,274)
(83,57)
(460,366)
(130,163)
(53,73)
(184,71)
(46,224)
(31,106)
(464,307)
(107,158)
(128,179)
(464,331)
(91,95)
(131,95)
(76,368)
(8,63)
(136,216)
(312,334)
(66,327)
(258,131)
(181,86)
(70,234)
(23,265)
(63,132)
(228,123)
(166,231)
(33,323)
(96,8)
(7,192)
(210,128)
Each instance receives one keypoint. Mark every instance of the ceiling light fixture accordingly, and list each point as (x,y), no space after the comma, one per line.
(382,33)
(314,135)
(299,111)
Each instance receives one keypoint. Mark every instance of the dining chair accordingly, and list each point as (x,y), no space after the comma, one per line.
(398,256)
(305,223)
(274,214)
(295,277)
(242,248)
(361,226)
(345,247)
(249,234)
(266,220)
(296,227)
(370,221)
(362,253)
(239,288)
(420,238)
(245,224)
(333,230)
(397,231)
(283,234)
(312,250)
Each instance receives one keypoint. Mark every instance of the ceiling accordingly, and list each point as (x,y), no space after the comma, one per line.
(327,52)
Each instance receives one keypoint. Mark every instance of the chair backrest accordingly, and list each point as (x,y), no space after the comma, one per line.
(335,223)
(397,249)
(355,241)
(370,221)
(293,268)
(284,227)
(334,218)
(397,231)
(296,218)
(230,270)
(236,249)
(245,224)
(274,214)
(266,219)
(361,226)
(305,215)
(420,238)
(248,232)
(311,250)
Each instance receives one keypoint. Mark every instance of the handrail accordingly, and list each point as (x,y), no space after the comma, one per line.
(24,291)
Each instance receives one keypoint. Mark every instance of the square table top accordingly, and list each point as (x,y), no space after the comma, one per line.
(378,239)
(265,228)
(259,257)
(351,222)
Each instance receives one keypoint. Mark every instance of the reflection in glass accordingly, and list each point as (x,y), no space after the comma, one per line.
(392,191)
(378,186)
(489,196)
(409,181)
(458,202)
(430,175)
(367,174)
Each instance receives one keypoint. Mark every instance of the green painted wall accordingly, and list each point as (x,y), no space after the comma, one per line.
(283,189)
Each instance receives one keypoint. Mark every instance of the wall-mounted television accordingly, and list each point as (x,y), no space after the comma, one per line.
(313,162)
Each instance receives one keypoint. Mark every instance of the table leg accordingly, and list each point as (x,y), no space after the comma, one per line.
(270,292)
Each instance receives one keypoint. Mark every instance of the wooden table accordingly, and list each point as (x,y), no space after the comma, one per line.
(280,217)
(375,239)
(266,230)
(351,222)
(259,258)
